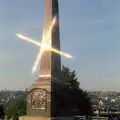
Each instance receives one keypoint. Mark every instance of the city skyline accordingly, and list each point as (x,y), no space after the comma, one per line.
(89,30)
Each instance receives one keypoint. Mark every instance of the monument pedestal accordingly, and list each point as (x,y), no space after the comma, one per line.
(39,100)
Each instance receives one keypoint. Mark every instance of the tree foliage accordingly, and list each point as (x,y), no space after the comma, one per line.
(16,108)
(2,112)
(69,77)
(78,101)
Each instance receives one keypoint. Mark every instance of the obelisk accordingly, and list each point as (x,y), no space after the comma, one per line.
(40,101)
(50,62)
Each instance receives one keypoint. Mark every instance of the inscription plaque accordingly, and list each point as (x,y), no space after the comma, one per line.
(38,99)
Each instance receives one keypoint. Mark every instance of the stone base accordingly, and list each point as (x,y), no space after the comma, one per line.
(33,118)
(39,98)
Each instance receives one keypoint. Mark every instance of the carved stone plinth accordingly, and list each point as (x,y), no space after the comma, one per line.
(39,98)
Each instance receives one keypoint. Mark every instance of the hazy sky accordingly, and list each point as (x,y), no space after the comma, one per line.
(90,31)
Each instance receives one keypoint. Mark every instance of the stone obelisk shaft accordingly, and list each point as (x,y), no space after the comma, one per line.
(50,62)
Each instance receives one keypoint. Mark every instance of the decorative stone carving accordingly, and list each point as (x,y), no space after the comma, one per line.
(38,99)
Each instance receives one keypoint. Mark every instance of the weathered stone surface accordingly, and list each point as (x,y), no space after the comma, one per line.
(39,98)
(50,62)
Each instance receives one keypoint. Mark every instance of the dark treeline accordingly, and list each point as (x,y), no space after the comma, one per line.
(69,99)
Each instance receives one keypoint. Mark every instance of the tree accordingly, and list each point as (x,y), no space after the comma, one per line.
(69,77)
(2,112)
(79,101)
(16,108)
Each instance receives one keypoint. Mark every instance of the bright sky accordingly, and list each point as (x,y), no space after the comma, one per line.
(89,31)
